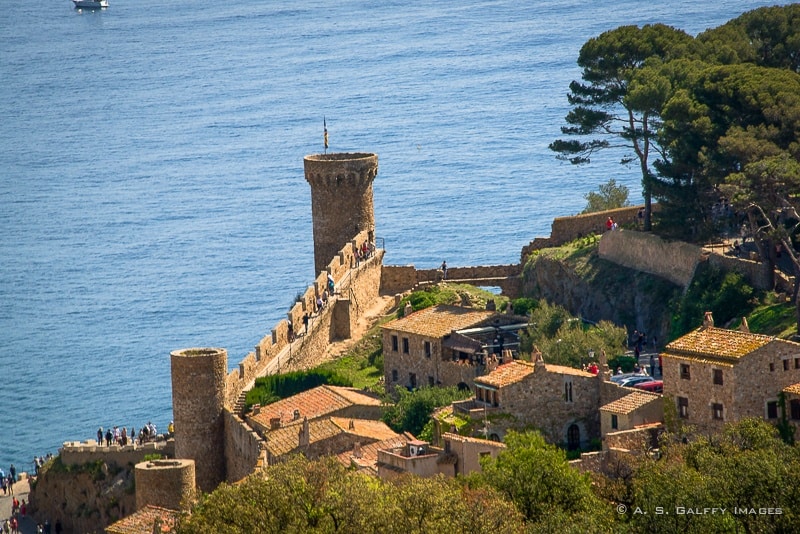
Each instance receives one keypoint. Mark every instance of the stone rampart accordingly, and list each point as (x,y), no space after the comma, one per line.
(348,279)
(79,453)
(755,272)
(245,450)
(401,278)
(565,229)
(675,261)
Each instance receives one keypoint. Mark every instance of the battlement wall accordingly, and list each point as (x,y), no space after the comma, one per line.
(352,277)
(565,229)
(245,450)
(82,452)
(675,261)
(400,278)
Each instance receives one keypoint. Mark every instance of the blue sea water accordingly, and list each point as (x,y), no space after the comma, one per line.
(151,170)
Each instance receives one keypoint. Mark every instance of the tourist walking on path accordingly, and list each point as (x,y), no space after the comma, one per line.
(444,270)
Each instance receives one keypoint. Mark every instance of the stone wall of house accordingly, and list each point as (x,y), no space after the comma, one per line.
(470,451)
(762,375)
(700,391)
(539,400)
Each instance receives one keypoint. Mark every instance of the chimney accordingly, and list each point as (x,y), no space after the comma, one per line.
(351,426)
(356,450)
(304,434)
(491,305)
(408,310)
(274,423)
(744,327)
(708,320)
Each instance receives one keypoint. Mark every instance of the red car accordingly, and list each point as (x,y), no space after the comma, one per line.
(654,386)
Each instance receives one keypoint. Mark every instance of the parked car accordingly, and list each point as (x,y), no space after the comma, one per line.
(619,378)
(632,381)
(654,386)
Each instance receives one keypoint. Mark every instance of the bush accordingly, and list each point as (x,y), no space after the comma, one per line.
(269,389)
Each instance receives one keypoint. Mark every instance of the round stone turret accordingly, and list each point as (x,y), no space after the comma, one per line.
(341,200)
(164,483)
(198,401)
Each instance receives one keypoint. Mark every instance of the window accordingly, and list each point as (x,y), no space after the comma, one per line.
(685,371)
(771,367)
(412,380)
(772,410)
(394,343)
(797,363)
(427,346)
(683,407)
(716,411)
(394,375)
(786,365)
(614,421)
(568,391)
(718,377)
(794,409)
(430,381)
(405,345)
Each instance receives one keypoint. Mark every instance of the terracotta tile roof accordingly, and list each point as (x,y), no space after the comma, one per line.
(506,374)
(368,457)
(467,439)
(793,389)
(314,403)
(630,402)
(438,321)
(142,522)
(564,370)
(711,343)
(287,438)
(375,430)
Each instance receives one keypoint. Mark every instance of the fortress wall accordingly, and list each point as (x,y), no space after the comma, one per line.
(565,229)
(245,451)
(255,363)
(79,453)
(400,278)
(754,272)
(674,261)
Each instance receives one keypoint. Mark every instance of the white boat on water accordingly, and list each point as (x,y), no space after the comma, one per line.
(90,4)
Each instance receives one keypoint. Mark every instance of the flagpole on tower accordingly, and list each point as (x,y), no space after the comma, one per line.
(325,133)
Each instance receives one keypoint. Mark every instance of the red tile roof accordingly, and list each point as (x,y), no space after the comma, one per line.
(143,521)
(367,459)
(711,343)
(314,403)
(630,402)
(438,321)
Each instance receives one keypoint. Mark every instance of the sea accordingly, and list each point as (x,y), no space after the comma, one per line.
(152,194)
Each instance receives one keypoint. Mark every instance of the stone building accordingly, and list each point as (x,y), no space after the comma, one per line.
(446,345)
(560,401)
(792,406)
(637,409)
(460,455)
(716,376)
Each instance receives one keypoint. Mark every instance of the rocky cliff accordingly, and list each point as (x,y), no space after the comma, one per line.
(596,289)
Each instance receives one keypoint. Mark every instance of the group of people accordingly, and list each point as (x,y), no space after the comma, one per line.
(365,251)
(122,436)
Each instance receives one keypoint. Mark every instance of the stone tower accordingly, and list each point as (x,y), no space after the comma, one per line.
(341,201)
(198,401)
(164,483)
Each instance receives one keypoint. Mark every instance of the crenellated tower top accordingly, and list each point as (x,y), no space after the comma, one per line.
(341,200)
